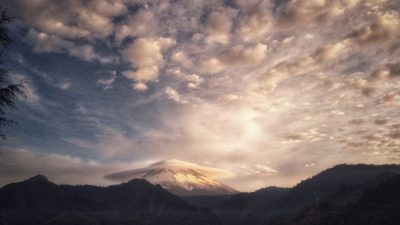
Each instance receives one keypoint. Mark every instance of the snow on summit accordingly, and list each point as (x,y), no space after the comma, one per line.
(179,177)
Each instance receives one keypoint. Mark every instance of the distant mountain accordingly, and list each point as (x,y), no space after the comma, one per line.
(38,201)
(180,178)
(185,182)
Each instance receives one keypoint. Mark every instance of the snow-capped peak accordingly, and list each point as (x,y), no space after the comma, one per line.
(179,177)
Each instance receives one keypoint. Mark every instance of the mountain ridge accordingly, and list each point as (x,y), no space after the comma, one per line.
(178,177)
(37,199)
(327,194)
(187,182)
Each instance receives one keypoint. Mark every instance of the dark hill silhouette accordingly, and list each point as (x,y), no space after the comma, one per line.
(340,185)
(237,208)
(379,205)
(253,200)
(38,201)
(327,183)
(335,196)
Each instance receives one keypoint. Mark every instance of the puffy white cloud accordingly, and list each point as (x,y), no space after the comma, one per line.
(94,22)
(218,26)
(56,26)
(142,24)
(146,55)
(182,58)
(193,81)
(174,95)
(140,86)
(70,19)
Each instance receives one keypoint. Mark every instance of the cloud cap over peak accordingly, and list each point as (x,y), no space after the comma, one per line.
(169,164)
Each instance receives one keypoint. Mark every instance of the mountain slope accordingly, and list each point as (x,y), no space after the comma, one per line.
(185,182)
(327,183)
(178,177)
(253,200)
(379,205)
(135,202)
(342,184)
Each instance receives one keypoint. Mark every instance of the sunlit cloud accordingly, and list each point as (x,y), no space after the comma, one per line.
(127,175)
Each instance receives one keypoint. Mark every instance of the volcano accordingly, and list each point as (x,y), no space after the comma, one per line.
(179,177)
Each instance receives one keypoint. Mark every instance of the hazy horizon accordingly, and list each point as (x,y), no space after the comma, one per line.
(271,92)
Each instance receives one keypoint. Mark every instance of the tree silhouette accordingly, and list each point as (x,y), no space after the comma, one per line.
(8,91)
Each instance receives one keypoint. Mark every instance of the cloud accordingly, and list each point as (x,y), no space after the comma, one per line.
(107,83)
(182,58)
(238,56)
(46,43)
(309,12)
(356,121)
(32,95)
(382,29)
(146,55)
(390,70)
(109,143)
(19,164)
(390,98)
(295,12)
(218,26)
(192,81)
(64,85)
(317,59)
(143,23)
(328,52)
(140,86)
(58,27)
(70,19)
(174,95)
(126,175)
(381,121)
(256,21)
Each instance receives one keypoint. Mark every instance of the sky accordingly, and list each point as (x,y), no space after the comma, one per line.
(272,91)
